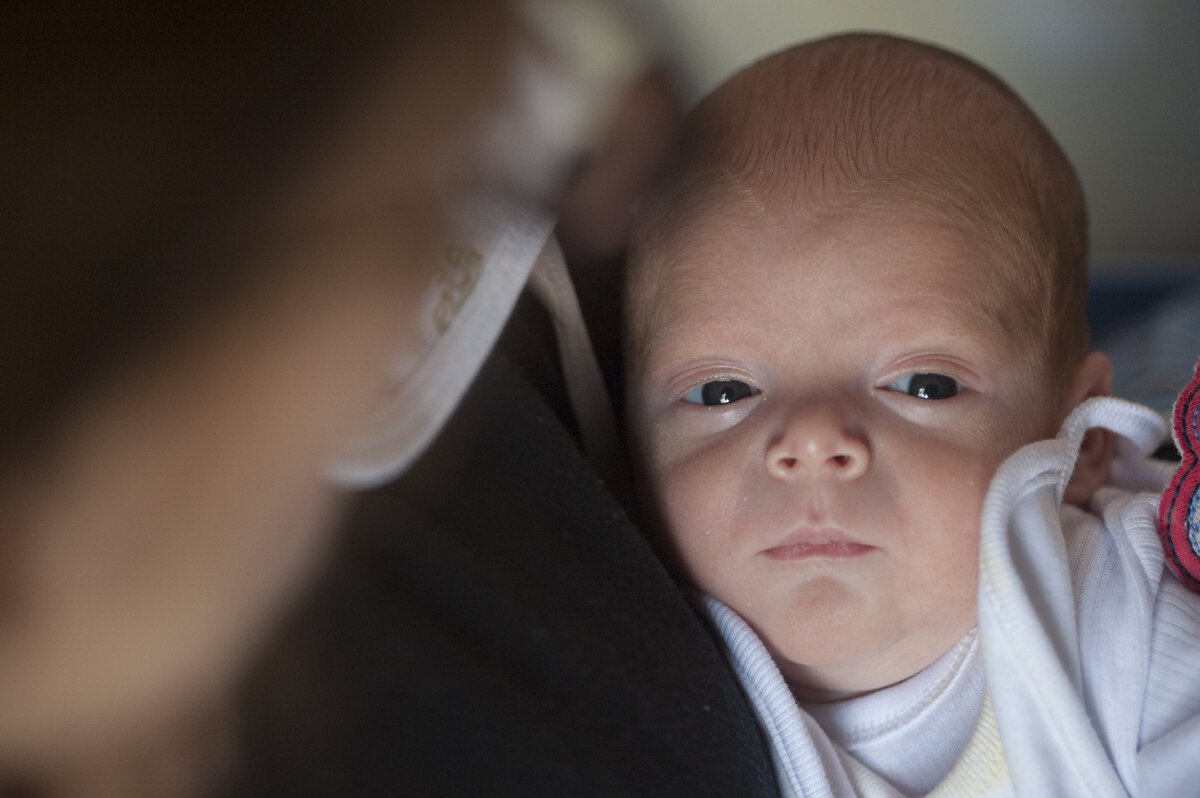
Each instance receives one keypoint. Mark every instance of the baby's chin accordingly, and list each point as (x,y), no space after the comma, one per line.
(865,669)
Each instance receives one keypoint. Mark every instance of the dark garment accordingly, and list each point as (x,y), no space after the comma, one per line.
(495,624)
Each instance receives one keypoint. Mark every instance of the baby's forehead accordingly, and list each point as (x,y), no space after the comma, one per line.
(702,261)
(722,242)
(701,211)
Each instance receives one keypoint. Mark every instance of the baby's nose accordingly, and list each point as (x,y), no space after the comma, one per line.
(816,441)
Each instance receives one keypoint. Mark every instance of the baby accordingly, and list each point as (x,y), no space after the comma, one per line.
(860,291)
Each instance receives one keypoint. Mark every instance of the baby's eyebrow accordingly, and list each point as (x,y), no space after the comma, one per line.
(666,357)
(653,335)
(659,362)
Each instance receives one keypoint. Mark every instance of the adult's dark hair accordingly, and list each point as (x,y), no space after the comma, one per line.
(138,140)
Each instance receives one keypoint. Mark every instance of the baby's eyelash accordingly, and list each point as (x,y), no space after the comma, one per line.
(926,385)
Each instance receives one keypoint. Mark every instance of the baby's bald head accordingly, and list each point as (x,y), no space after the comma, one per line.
(877,124)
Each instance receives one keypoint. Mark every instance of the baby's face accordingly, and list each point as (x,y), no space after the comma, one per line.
(821,410)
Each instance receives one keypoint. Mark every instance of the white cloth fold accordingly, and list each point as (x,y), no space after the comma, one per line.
(496,245)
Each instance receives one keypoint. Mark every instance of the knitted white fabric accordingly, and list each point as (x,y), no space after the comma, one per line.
(912,732)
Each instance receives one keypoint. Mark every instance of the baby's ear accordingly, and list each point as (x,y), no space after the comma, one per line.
(1093,377)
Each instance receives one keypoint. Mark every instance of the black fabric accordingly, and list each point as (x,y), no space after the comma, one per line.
(495,625)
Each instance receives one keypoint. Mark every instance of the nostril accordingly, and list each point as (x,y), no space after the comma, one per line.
(841,460)
(788,462)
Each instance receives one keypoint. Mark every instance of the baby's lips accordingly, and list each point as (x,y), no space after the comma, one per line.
(817,542)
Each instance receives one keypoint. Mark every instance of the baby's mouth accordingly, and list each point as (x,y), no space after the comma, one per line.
(804,544)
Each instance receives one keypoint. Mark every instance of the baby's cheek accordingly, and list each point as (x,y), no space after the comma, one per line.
(684,501)
(960,486)
(697,502)
(1000,428)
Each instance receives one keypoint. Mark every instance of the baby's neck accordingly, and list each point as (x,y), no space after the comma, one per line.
(810,692)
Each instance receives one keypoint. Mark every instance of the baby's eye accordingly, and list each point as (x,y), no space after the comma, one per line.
(719,392)
(926,386)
